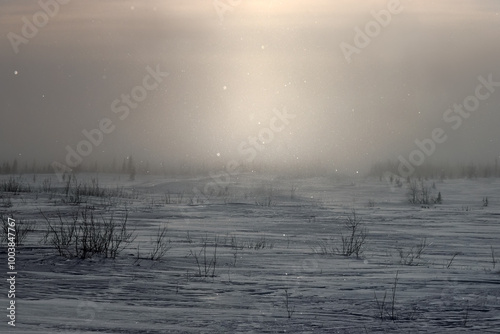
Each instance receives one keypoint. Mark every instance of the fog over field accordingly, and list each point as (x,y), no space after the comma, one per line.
(230,66)
(249,166)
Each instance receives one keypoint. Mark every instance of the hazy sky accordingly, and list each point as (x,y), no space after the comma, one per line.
(229,74)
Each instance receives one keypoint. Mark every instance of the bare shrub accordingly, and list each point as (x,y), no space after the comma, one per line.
(19,230)
(258,244)
(353,241)
(61,235)
(387,310)
(84,235)
(413,192)
(267,197)
(206,264)
(46,185)
(76,192)
(413,255)
(14,185)
(421,193)
(160,244)
(293,191)
(289,309)
(493,259)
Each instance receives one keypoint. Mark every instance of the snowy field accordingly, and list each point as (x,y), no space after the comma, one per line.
(238,256)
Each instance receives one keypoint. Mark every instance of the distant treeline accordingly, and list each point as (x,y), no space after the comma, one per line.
(439,170)
(127,165)
(130,166)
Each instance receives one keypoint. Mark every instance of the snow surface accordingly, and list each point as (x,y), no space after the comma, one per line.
(328,293)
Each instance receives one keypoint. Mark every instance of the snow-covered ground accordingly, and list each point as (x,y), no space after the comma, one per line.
(269,231)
